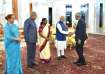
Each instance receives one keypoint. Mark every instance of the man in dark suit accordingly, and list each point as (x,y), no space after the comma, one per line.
(80,37)
(30,34)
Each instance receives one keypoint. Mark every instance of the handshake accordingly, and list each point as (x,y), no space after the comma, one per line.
(70,33)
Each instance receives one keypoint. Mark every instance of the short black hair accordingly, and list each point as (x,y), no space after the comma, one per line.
(8,16)
(43,19)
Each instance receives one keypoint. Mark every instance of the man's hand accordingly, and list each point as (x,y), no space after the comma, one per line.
(79,41)
(70,33)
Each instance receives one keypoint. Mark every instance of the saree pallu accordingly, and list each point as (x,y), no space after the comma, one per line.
(44,44)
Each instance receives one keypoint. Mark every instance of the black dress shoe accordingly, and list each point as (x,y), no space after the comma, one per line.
(58,58)
(29,66)
(76,62)
(80,64)
(64,57)
(35,64)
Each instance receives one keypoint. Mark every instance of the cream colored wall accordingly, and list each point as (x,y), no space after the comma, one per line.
(93,24)
(41,7)
(8,7)
(5,8)
(23,11)
(58,7)
(58,10)
(42,11)
(75,8)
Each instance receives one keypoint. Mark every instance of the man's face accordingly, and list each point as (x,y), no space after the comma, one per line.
(62,18)
(76,17)
(12,19)
(34,16)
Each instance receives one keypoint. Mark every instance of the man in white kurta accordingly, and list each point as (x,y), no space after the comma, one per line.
(61,33)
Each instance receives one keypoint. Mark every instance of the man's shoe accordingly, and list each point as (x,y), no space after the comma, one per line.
(76,62)
(58,58)
(29,66)
(35,64)
(31,69)
(81,64)
(64,57)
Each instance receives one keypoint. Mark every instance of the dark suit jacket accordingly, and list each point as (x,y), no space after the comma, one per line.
(30,31)
(81,30)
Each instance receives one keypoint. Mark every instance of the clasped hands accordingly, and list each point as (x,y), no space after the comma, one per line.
(18,39)
(70,33)
(47,39)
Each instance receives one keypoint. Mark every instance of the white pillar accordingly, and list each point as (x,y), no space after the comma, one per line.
(92,25)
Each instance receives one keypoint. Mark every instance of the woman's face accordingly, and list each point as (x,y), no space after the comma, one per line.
(11,20)
(45,21)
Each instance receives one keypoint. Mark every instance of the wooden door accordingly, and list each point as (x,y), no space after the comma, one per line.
(30,8)
(15,8)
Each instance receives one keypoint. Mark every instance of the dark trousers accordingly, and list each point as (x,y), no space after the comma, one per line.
(79,50)
(31,49)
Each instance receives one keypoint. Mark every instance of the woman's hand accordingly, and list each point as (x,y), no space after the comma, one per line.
(50,32)
(18,39)
(47,39)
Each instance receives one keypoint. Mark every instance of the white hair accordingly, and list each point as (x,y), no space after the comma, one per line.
(33,13)
(78,14)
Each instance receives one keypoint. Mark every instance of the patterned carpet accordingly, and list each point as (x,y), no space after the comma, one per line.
(95,56)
